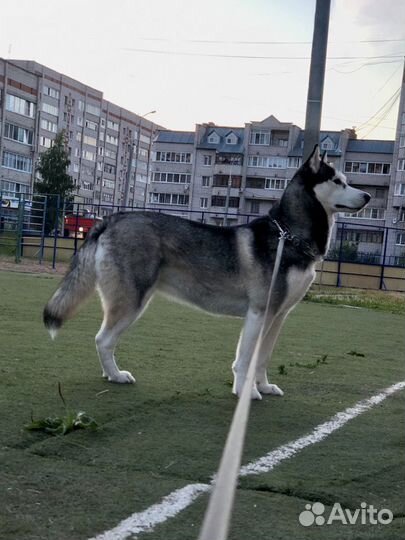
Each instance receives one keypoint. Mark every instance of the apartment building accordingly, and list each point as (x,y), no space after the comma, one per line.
(109,146)
(243,171)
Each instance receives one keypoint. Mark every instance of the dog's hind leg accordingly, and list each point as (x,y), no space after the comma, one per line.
(119,314)
(266,350)
(244,351)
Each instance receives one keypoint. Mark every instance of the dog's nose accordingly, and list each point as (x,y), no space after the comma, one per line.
(367,196)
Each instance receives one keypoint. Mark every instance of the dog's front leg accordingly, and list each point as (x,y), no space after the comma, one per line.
(266,350)
(244,351)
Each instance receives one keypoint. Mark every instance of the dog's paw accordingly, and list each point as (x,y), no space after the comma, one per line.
(122,377)
(270,389)
(255,393)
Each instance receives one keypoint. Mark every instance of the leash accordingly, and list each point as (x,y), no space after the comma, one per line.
(218,515)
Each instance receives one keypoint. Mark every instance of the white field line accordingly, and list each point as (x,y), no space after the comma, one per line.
(180,499)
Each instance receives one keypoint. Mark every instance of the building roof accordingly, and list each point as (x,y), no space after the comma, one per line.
(370,146)
(297,150)
(222,146)
(179,137)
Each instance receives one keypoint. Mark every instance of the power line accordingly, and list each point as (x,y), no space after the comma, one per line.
(239,42)
(393,97)
(383,117)
(250,57)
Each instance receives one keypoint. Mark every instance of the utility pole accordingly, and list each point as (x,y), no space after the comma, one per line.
(316,77)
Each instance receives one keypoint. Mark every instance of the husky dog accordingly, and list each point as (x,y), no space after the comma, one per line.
(223,270)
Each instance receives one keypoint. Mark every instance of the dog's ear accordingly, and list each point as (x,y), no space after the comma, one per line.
(324,158)
(314,160)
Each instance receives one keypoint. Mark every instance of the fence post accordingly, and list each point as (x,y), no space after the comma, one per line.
(340,255)
(55,236)
(76,227)
(42,246)
(382,285)
(20,222)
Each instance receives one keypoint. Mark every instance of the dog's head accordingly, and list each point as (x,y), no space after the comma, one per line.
(330,186)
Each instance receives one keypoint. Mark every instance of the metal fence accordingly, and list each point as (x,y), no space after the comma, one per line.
(50,228)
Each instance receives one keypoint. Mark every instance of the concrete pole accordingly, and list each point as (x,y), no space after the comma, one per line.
(316,77)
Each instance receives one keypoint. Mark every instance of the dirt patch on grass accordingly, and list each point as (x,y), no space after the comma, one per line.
(28,266)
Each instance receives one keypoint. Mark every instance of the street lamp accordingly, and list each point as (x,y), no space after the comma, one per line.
(134,150)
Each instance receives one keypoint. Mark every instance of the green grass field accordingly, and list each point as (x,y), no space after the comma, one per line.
(168,430)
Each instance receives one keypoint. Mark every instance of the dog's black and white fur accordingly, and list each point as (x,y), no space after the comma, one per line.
(223,270)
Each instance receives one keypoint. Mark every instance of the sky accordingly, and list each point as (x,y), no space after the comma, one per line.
(223,61)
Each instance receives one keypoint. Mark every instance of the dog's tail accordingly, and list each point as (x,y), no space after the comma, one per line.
(76,286)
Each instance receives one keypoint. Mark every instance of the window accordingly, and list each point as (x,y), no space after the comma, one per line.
(327,145)
(401,165)
(175,178)
(79,136)
(255,207)
(110,169)
(108,183)
(275,183)
(113,125)
(294,162)
(48,125)
(107,197)
(220,201)
(206,181)
(93,109)
(11,189)
(369,213)
(231,139)
(402,141)
(17,162)
(402,216)
(258,137)
(87,185)
(367,168)
(46,142)
(90,140)
(213,138)
(255,182)
(204,202)
(75,167)
(80,121)
(20,106)
(169,199)
(229,159)
(176,157)
(50,109)
(399,189)
(52,92)
(111,139)
(400,239)
(91,125)
(17,133)
(112,154)
(267,162)
(276,163)
(222,180)
(91,156)
(257,161)
(357,236)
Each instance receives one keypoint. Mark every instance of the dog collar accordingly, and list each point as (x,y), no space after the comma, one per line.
(299,243)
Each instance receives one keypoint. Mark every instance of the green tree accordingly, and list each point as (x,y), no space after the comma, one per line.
(55,181)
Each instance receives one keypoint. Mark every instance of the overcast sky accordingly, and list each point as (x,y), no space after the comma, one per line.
(196,74)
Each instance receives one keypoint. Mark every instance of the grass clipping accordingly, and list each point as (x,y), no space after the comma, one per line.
(62,425)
